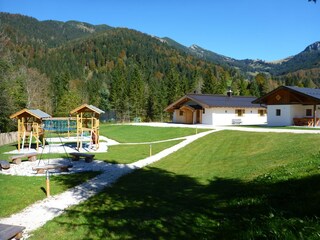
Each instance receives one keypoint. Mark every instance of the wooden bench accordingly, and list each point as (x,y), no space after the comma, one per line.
(43,169)
(76,156)
(4,164)
(10,231)
(236,121)
(17,158)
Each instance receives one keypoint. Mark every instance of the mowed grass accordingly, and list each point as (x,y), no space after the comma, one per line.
(139,134)
(125,153)
(18,192)
(227,185)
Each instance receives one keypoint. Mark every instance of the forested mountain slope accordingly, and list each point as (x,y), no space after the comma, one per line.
(124,70)
(56,66)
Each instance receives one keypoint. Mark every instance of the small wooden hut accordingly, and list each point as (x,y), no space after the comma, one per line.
(88,121)
(29,126)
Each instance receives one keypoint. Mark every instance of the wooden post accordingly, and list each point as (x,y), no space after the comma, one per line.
(314,115)
(48,183)
(19,134)
(150,150)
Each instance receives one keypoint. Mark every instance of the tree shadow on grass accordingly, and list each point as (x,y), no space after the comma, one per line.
(155,204)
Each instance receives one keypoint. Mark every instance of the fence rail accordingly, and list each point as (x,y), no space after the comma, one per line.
(7,138)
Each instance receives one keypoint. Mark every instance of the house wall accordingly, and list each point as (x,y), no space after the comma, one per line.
(176,117)
(286,117)
(187,116)
(224,116)
(288,112)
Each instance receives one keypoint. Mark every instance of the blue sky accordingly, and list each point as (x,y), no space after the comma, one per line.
(255,29)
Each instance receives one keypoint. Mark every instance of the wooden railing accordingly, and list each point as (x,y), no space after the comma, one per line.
(306,121)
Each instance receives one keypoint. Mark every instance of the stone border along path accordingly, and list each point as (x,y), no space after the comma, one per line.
(37,214)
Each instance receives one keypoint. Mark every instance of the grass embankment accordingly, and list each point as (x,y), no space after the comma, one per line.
(227,185)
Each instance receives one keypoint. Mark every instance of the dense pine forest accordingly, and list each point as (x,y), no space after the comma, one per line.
(56,66)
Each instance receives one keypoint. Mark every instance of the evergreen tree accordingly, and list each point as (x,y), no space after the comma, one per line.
(118,94)
(173,83)
(254,89)
(136,92)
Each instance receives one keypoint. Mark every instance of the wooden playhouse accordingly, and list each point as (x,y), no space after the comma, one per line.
(30,123)
(88,123)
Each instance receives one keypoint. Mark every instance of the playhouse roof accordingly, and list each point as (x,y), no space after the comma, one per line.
(213,100)
(87,108)
(30,112)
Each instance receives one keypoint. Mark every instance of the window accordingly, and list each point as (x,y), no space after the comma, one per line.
(181,113)
(278,112)
(308,112)
(240,112)
(262,112)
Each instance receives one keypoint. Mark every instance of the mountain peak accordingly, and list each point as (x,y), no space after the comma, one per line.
(313,47)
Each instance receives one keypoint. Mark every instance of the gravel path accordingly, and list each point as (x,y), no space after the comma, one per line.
(42,211)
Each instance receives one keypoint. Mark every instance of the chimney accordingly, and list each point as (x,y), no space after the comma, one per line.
(229,92)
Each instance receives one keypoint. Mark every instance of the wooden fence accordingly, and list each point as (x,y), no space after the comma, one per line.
(7,138)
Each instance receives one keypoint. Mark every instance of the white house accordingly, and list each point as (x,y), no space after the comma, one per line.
(217,110)
(288,106)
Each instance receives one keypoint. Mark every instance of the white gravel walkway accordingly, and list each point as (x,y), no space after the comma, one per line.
(40,212)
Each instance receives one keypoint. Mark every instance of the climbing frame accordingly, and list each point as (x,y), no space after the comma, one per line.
(88,123)
(29,126)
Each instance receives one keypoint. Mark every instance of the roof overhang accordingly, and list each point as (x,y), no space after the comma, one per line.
(36,113)
(180,102)
(286,95)
(87,108)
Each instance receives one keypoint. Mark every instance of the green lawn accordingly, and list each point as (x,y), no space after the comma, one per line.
(18,192)
(227,185)
(131,153)
(138,134)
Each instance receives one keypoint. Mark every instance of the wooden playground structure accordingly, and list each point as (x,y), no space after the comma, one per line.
(33,123)
(88,122)
(30,126)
